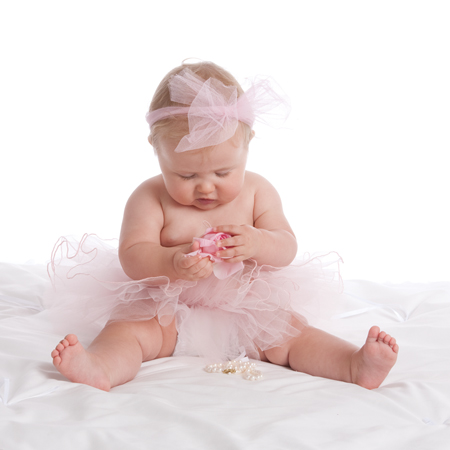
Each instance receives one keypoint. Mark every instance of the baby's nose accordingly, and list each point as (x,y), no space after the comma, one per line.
(206,187)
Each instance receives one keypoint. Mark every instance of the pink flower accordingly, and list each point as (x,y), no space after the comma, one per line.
(209,248)
(208,242)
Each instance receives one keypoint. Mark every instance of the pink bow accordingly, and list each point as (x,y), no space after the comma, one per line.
(215,109)
(213,114)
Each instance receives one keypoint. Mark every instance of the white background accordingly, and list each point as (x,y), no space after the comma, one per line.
(361,164)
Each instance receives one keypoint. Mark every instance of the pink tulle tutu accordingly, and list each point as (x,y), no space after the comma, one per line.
(215,318)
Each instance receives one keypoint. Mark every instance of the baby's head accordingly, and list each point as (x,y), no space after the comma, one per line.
(175,125)
(201,124)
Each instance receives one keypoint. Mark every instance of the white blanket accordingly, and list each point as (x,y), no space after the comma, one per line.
(174,404)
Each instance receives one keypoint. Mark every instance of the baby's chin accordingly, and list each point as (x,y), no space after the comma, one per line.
(205,204)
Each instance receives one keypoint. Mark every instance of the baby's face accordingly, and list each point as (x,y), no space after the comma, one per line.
(204,178)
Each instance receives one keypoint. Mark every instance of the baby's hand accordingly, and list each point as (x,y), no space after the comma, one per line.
(244,243)
(191,268)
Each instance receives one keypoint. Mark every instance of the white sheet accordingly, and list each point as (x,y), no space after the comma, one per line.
(173,403)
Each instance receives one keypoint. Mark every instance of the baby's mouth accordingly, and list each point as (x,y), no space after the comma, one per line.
(205,201)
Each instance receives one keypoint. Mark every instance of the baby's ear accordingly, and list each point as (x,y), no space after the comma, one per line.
(150,140)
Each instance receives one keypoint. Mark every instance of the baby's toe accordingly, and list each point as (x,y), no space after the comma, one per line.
(71,339)
(373,333)
(60,347)
(381,336)
(56,358)
(392,342)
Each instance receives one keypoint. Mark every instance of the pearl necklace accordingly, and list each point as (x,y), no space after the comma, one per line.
(243,366)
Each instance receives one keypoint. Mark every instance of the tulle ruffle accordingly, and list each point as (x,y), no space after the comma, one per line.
(215,318)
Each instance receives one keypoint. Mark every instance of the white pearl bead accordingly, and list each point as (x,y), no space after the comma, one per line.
(246,368)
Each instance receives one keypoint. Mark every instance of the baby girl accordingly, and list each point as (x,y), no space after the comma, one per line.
(201,127)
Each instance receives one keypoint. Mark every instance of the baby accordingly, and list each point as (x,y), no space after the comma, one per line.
(201,126)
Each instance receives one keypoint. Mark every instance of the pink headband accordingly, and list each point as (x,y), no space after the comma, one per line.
(215,109)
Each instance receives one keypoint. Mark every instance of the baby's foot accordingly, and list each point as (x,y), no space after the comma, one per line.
(78,365)
(373,361)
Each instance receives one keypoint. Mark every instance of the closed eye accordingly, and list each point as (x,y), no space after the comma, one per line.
(186,177)
(222,174)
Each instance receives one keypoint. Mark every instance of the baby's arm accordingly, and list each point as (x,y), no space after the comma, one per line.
(140,251)
(271,239)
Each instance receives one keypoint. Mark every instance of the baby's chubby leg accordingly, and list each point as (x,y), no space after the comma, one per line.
(116,354)
(318,353)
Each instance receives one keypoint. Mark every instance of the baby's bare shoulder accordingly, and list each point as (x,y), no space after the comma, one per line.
(143,216)
(147,193)
(267,201)
(254,178)
(261,185)
(151,187)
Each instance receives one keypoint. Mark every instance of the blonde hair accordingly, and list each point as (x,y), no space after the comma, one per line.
(177,126)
